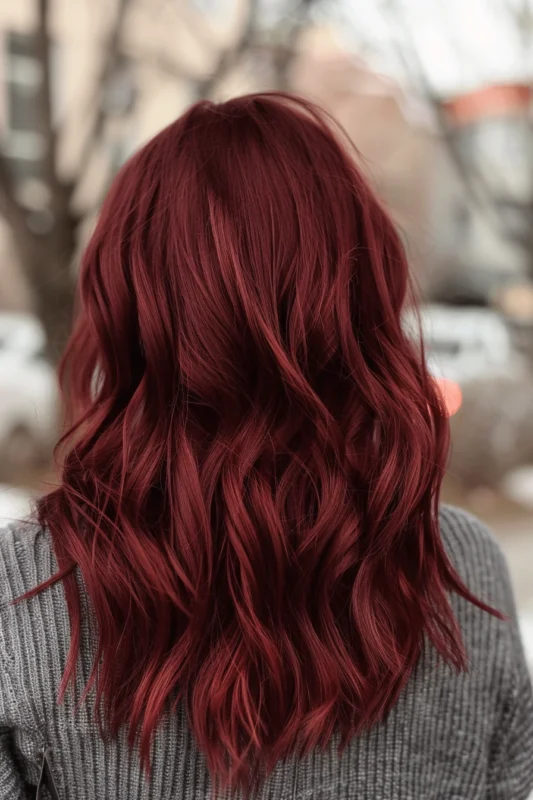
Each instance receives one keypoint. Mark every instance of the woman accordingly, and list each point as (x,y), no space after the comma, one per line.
(244,582)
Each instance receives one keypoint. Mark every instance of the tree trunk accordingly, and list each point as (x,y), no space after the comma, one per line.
(54,306)
(47,260)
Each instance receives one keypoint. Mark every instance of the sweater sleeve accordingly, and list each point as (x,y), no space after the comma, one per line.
(511,766)
(12,784)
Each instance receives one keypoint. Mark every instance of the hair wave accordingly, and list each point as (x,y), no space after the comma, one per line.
(255,448)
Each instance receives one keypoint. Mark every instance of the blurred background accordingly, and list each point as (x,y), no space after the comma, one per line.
(437,96)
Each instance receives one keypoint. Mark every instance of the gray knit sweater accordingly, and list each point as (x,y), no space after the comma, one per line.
(449,737)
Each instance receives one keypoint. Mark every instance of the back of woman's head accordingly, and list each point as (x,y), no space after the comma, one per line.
(251,480)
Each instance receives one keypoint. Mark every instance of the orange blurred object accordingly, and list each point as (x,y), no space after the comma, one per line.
(451,392)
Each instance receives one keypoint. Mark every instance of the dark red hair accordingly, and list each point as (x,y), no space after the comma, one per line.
(255,448)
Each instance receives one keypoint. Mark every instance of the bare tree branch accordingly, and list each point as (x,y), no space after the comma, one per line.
(13,213)
(44,96)
(204,85)
(108,65)
(166,65)
(285,55)
(194,20)
(230,57)
(472,179)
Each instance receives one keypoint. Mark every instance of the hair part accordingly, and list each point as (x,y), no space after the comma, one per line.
(255,448)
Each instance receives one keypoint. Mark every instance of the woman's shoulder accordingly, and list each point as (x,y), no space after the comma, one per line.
(26,558)
(466,535)
(477,556)
(34,633)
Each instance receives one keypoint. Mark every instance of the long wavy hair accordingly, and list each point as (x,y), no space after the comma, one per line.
(254,449)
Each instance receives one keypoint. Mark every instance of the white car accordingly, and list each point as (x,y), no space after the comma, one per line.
(465,343)
(29,395)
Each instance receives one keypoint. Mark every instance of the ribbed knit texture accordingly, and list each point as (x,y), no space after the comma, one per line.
(450,736)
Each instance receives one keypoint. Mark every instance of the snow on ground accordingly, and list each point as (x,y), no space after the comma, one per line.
(14,503)
(518,486)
